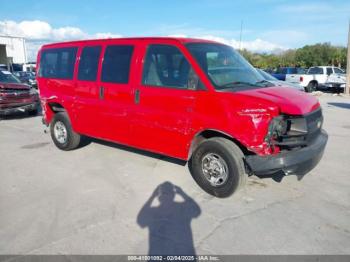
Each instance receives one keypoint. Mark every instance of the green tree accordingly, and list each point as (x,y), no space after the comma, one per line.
(309,55)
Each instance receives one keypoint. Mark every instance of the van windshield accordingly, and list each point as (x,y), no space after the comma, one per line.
(225,67)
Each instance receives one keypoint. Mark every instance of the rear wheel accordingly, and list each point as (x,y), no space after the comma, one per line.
(62,133)
(217,166)
(336,89)
(311,87)
(33,112)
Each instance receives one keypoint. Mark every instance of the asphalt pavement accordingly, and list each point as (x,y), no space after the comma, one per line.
(105,199)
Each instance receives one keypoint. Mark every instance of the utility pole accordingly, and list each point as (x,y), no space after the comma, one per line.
(240,37)
(347,87)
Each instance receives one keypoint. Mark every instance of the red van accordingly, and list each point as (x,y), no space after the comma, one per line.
(190,99)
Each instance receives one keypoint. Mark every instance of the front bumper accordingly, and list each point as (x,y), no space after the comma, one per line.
(22,108)
(296,162)
(334,85)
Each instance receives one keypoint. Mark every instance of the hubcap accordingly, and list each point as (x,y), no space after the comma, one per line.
(214,169)
(60,132)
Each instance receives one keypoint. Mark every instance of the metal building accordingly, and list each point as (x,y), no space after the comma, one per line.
(12,50)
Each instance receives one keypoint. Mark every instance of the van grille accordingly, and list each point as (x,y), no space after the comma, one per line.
(314,122)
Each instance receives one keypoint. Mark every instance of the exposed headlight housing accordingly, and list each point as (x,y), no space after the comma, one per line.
(297,126)
(278,127)
(287,131)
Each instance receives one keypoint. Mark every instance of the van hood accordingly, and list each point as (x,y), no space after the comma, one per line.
(290,101)
(14,86)
(288,84)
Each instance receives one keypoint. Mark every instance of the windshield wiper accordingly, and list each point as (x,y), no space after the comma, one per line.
(265,82)
(235,84)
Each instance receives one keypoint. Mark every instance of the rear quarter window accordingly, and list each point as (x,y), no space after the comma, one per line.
(338,71)
(58,63)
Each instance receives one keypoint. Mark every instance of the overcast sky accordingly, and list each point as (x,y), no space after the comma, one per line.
(268,25)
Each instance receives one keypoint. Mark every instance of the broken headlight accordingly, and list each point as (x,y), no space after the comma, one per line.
(287,131)
(277,127)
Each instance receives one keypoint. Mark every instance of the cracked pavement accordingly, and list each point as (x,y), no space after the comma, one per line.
(87,201)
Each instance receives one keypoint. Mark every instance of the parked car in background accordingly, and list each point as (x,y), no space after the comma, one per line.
(16,96)
(27,67)
(3,67)
(32,79)
(192,99)
(277,82)
(281,72)
(16,67)
(321,77)
(22,76)
(27,78)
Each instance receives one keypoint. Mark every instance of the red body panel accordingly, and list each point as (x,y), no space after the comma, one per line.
(166,120)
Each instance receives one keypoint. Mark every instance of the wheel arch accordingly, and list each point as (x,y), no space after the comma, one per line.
(50,109)
(314,81)
(56,107)
(210,133)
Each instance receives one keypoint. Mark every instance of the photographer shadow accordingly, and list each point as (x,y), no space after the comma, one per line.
(169,223)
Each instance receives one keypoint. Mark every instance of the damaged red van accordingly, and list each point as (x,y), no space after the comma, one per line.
(190,99)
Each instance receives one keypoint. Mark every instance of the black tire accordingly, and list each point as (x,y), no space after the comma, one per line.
(312,86)
(72,140)
(336,89)
(233,157)
(33,112)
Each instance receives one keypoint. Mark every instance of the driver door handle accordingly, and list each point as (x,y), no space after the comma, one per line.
(102,92)
(137,96)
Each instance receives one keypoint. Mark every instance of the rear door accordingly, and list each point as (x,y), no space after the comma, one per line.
(55,76)
(164,100)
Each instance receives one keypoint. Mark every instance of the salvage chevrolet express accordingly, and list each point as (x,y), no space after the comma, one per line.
(191,99)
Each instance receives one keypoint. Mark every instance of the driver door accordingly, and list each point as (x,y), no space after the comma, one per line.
(164,101)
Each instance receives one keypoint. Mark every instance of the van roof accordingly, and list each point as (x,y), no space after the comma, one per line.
(179,39)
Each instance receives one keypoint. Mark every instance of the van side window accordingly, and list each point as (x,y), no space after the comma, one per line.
(88,64)
(116,64)
(166,66)
(58,63)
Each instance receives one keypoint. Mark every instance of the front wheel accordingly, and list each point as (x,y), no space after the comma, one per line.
(62,133)
(217,166)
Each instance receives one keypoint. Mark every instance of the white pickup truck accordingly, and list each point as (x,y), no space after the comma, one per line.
(320,77)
